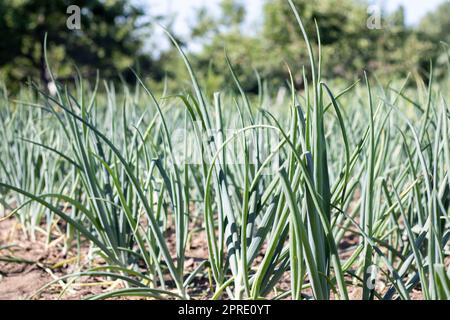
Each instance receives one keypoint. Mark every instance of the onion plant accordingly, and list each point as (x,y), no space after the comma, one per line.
(276,188)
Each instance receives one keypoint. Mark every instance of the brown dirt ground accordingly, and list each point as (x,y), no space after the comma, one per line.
(43,263)
(39,264)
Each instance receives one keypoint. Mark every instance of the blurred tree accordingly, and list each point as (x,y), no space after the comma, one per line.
(349,46)
(435,28)
(107,41)
(112,33)
(436,24)
(225,33)
(341,27)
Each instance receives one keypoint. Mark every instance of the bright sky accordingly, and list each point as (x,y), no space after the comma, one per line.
(415,9)
(184,9)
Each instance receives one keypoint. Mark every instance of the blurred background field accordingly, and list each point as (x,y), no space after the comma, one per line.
(95,204)
(259,37)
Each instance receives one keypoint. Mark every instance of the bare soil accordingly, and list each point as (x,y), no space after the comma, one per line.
(26,266)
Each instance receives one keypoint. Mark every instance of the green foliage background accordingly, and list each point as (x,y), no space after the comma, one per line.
(114,34)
